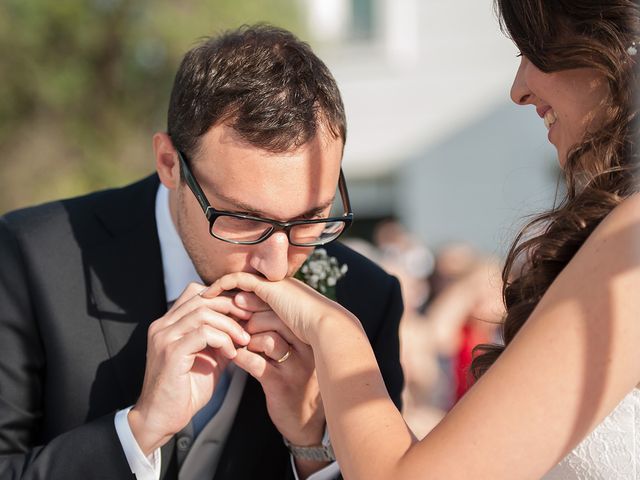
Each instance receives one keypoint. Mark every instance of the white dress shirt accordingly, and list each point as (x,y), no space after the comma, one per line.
(178,273)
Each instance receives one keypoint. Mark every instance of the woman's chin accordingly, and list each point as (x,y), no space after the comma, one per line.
(561,155)
(562,160)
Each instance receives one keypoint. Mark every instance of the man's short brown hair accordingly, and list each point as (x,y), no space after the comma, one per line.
(263,82)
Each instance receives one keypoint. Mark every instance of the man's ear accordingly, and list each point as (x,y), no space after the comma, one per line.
(167,163)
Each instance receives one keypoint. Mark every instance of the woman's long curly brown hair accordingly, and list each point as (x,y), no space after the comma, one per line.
(601,171)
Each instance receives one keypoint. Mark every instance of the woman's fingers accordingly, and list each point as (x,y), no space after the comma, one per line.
(250,301)
(265,356)
(269,321)
(242,281)
(270,344)
(253,363)
(299,306)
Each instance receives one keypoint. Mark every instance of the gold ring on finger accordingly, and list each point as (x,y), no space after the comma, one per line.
(285,356)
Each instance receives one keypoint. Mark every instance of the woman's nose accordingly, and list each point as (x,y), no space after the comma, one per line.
(520,92)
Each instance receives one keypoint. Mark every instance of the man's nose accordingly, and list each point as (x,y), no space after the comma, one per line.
(520,92)
(271,257)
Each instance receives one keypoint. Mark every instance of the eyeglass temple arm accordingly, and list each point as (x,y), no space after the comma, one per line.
(193,185)
(342,185)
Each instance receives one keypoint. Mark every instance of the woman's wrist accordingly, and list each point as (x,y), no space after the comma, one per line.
(333,322)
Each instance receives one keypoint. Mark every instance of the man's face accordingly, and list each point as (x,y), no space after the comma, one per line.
(241,178)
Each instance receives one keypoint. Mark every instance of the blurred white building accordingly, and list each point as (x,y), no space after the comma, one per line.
(433,137)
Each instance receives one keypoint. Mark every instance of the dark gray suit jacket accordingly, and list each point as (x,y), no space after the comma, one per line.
(80,282)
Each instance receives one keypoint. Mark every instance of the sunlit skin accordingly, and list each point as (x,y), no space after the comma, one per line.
(577,97)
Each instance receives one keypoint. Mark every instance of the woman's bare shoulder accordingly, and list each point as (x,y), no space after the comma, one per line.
(626,214)
(617,238)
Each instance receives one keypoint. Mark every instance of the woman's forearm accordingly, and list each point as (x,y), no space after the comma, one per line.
(355,400)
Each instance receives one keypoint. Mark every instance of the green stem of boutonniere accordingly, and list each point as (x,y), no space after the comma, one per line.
(322,272)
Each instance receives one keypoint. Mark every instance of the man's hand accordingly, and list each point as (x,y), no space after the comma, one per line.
(284,366)
(187,350)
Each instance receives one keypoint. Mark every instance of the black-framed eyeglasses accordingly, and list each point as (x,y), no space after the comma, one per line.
(242,229)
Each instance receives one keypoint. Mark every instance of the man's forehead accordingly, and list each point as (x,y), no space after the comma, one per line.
(304,171)
(224,137)
(223,151)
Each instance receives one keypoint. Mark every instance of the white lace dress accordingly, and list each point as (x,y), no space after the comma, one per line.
(611,451)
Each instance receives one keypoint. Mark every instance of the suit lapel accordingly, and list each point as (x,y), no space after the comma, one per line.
(126,280)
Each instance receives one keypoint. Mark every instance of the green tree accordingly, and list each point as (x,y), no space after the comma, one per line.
(86,82)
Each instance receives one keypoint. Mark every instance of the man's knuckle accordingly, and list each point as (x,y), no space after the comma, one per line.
(157,340)
(154,328)
(168,352)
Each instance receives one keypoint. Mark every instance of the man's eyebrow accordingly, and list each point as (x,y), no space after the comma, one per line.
(251,210)
(314,212)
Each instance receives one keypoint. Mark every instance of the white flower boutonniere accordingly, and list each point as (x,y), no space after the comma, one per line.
(322,272)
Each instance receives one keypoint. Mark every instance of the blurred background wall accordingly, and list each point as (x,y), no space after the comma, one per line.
(434,139)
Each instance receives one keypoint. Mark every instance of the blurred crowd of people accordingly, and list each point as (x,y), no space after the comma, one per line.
(453,302)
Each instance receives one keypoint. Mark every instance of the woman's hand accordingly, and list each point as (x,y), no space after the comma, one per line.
(299,306)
